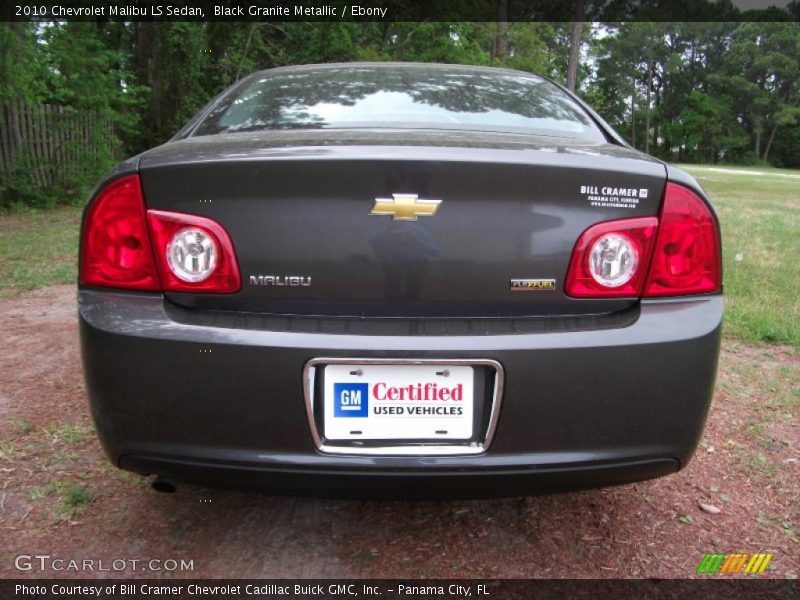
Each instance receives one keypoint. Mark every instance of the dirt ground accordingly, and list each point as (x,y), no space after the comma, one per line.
(60,496)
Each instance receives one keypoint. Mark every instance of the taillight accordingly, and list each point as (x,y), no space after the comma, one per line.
(611,258)
(676,254)
(124,246)
(194,254)
(115,249)
(687,256)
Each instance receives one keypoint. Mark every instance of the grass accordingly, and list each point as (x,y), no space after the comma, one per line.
(8,451)
(73,498)
(758,464)
(757,206)
(42,491)
(758,209)
(68,432)
(21,425)
(38,248)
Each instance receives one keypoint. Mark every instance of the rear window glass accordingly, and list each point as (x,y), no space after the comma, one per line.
(400,97)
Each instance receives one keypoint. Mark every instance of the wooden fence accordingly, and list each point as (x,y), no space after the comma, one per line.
(48,143)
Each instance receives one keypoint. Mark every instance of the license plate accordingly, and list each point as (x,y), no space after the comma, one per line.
(398,402)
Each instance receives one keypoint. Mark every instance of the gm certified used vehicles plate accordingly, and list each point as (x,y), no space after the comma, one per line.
(402,406)
(399,280)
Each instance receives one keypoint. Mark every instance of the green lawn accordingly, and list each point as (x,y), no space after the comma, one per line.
(38,248)
(758,208)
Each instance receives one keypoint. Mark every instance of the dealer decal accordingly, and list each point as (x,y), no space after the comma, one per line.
(613,197)
(353,399)
(398,401)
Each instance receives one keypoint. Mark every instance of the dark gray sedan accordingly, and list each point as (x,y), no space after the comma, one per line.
(399,280)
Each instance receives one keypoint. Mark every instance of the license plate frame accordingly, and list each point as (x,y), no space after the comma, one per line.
(486,408)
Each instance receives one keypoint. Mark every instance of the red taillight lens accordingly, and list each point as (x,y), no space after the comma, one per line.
(194,254)
(611,258)
(687,257)
(115,249)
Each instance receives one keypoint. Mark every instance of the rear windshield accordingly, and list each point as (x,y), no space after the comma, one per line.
(400,98)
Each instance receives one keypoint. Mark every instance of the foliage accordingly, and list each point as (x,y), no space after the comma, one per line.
(40,179)
(22,73)
(710,91)
(699,91)
(56,64)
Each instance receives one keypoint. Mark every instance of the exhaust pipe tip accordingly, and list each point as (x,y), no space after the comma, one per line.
(165,486)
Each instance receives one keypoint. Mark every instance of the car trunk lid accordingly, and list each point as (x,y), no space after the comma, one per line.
(300,208)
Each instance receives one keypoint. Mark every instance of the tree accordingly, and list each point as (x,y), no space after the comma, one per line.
(706,88)
(501,37)
(23,74)
(575,40)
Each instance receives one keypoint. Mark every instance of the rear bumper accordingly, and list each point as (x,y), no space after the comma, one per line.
(219,401)
(402,483)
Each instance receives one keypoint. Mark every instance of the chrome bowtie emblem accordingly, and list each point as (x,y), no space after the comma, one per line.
(405,207)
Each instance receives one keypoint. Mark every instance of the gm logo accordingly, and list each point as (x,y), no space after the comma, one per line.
(350,399)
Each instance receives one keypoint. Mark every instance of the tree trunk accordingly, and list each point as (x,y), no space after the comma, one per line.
(500,49)
(575,45)
(386,35)
(143,50)
(245,50)
(655,137)
(656,128)
(633,113)
(769,142)
(647,108)
(758,142)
